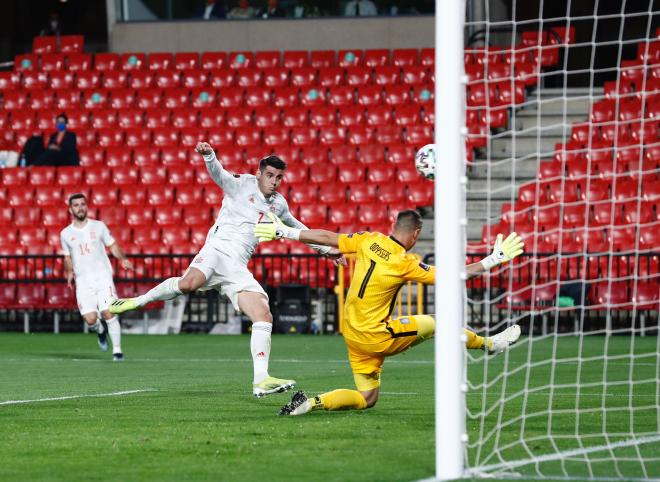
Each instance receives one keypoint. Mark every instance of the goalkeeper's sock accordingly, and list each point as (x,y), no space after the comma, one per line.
(97,327)
(474,341)
(167,290)
(260,348)
(341,399)
(114,330)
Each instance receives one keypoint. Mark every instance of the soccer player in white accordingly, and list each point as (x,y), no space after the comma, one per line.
(222,262)
(85,260)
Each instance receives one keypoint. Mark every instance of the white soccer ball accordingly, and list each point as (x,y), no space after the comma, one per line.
(425,161)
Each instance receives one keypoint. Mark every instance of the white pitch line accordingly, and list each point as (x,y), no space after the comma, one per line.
(570,453)
(52,399)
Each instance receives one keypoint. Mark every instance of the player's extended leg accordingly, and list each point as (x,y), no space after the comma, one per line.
(95,324)
(493,344)
(255,306)
(114,330)
(167,290)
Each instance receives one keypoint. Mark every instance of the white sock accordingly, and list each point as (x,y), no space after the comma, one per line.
(260,348)
(167,290)
(98,327)
(114,330)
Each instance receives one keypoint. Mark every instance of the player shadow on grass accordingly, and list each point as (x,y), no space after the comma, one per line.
(72,356)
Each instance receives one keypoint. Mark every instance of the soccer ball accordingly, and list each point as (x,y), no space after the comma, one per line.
(425,161)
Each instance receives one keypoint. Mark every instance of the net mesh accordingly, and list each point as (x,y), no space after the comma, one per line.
(563,102)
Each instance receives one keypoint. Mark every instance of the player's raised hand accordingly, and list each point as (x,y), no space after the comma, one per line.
(126,264)
(269,231)
(504,250)
(203,148)
(337,257)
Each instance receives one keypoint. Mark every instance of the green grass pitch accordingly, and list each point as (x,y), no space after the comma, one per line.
(197,420)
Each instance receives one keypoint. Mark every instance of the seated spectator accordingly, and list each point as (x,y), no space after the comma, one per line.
(61,149)
(244,10)
(272,10)
(360,8)
(54,26)
(32,150)
(212,10)
(305,10)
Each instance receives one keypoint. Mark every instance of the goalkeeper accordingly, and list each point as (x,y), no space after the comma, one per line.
(382,267)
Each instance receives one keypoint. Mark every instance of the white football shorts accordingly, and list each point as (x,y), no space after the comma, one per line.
(225,274)
(97,298)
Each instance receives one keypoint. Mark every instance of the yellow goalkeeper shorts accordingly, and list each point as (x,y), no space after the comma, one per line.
(367,359)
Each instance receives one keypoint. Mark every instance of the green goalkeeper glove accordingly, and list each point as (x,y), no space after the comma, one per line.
(275,230)
(504,251)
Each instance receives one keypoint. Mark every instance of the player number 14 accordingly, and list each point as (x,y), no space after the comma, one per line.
(84,249)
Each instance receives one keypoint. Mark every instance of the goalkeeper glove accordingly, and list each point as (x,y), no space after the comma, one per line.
(275,230)
(504,251)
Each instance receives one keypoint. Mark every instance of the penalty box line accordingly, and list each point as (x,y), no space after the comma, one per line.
(73,397)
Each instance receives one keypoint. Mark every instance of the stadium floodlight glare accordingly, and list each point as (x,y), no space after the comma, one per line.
(449,231)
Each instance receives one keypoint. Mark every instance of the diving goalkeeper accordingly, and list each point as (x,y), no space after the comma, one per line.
(382,267)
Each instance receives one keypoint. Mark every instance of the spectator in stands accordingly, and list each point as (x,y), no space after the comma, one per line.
(32,150)
(61,149)
(212,10)
(272,10)
(54,26)
(305,10)
(244,10)
(360,8)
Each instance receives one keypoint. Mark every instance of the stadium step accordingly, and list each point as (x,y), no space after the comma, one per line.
(524,145)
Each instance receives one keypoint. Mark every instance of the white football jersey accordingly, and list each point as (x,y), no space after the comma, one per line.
(243,206)
(86,246)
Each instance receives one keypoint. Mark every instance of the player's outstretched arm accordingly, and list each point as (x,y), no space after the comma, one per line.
(278,230)
(118,253)
(221,177)
(504,251)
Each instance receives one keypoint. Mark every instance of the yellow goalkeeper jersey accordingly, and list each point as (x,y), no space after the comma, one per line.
(382,267)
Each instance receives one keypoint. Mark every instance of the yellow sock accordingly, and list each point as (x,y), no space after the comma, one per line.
(474,341)
(341,399)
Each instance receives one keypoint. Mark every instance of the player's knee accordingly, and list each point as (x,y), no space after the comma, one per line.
(371,397)
(188,285)
(90,319)
(106,315)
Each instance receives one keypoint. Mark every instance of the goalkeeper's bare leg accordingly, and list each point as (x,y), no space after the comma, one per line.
(169,289)
(255,306)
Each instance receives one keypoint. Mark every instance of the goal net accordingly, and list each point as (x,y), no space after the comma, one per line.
(562,116)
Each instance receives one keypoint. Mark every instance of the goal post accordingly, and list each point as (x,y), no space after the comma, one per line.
(449,229)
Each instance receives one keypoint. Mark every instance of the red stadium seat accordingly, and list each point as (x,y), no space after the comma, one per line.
(167,79)
(349,58)
(139,217)
(213,60)
(175,237)
(186,60)
(159,195)
(137,137)
(211,118)
(194,79)
(360,135)
(240,60)
(26,62)
(132,61)
(396,94)
(331,194)
(286,98)
(180,175)
(418,135)
(303,77)
(380,174)
(174,155)
(21,120)
(153,175)
(160,61)
(295,117)
(350,174)
(205,98)
(125,176)
(72,43)
(322,59)
(102,119)
(45,44)
(267,59)
(68,176)
(146,156)
(221,138)
(240,117)
(165,137)
(407,174)
(414,75)
(249,78)
(374,214)
(35,80)
(133,197)
(221,79)
(313,155)
(389,134)
(228,98)
(30,295)
(54,216)
(149,98)
(41,100)
(267,118)
(294,59)
(331,77)
(350,116)
(276,137)
(323,116)
(341,96)
(247,137)
(311,97)
(407,57)
(94,99)
(130,118)
(358,76)
(275,78)
(110,137)
(89,79)
(324,173)
(168,217)
(103,196)
(343,154)
(184,118)
(380,115)
(313,214)
(391,194)
(190,136)
(26,217)
(376,57)
(189,195)
(332,136)
(306,193)
(50,62)
(121,99)
(423,95)
(303,136)
(106,61)
(15,100)
(145,235)
(42,176)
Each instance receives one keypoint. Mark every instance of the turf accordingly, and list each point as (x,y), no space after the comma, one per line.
(198,420)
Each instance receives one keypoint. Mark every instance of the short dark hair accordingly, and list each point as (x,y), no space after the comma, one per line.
(409,220)
(62,115)
(75,196)
(272,161)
